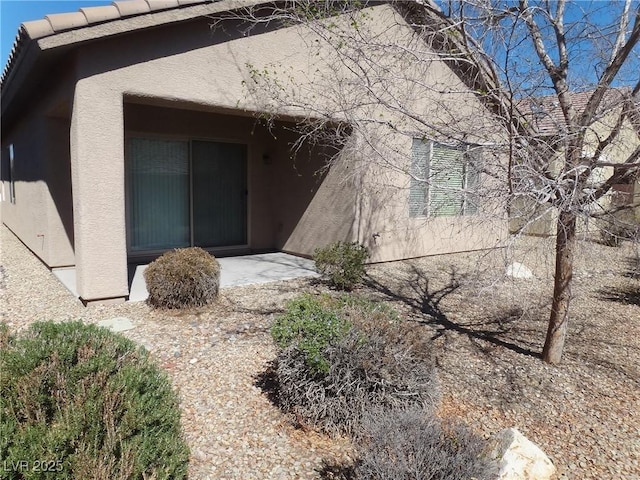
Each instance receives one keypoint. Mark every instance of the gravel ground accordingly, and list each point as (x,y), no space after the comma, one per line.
(487,332)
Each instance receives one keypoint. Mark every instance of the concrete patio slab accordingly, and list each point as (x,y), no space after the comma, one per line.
(235,271)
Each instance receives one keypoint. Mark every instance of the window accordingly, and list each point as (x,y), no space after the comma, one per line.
(8,173)
(444,180)
(184,193)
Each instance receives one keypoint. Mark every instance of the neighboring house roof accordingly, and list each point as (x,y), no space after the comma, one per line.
(545,115)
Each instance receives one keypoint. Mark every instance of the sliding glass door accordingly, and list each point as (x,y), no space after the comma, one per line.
(158,194)
(219,194)
(183,193)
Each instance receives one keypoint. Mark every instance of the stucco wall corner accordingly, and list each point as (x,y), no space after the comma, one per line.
(97,171)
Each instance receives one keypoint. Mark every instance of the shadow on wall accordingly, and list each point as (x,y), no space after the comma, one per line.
(42,143)
(313,198)
(386,228)
(41,154)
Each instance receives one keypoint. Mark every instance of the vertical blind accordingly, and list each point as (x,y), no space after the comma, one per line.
(447,181)
(158,194)
(219,194)
(182,193)
(444,180)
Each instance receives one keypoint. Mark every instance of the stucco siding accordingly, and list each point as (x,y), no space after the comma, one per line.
(42,214)
(97,172)
(27,217)
(60,202)
(385,226)
(314,205)
(184,80)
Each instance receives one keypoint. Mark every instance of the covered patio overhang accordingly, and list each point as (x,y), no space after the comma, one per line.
(174,174)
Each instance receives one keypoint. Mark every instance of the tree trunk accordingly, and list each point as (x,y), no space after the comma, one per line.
(557,330)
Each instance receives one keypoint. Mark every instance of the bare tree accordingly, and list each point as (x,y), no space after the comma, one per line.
(560,80)
(588,114)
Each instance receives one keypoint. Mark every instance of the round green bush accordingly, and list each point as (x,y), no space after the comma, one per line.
(342,263)
(373,360)
(80,402)
(185,277)
(311,323)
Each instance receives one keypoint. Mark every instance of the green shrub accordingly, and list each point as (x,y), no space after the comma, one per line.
(411,444)
(380,361)
(185,277)
(342,263)
(310,323)
(89,403)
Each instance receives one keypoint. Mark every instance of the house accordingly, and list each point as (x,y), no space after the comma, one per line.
(545,117)
(129,130)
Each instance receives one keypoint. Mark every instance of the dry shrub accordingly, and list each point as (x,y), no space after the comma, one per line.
(379,362)
(185,277)
(90,403)
(410,444)
(618,227)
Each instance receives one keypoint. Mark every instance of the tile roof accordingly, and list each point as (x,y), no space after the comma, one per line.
(62,22)
(545,114)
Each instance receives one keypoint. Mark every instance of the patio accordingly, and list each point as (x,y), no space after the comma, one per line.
(235,271)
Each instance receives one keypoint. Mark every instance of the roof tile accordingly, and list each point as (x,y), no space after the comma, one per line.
(100,14)
(38,28)
(66,21)
(546,116)
(131,7)
(57,23)
(155,5)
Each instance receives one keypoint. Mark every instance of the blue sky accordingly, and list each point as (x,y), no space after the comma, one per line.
(14,12)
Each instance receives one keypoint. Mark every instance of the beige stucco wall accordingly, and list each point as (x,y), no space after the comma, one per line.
(27,218)
(186,67)
(383,223)
(59,199)
(312,206)
(41,215)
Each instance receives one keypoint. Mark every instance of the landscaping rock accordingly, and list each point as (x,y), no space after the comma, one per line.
(517,458)
(518,270)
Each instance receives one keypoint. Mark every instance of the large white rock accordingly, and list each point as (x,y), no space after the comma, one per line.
(519,270)
(517,458)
